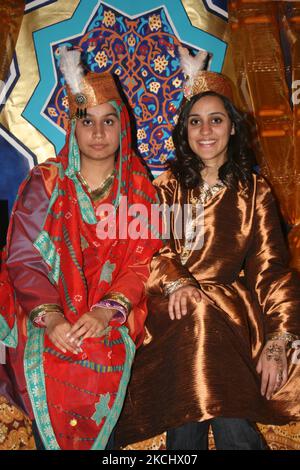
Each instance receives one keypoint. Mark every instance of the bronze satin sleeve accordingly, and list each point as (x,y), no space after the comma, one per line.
(204,365)
(166,266)
(271,281)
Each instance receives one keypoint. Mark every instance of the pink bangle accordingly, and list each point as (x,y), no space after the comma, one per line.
(121,313)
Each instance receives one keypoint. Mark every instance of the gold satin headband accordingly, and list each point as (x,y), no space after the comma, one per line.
(95,88)
(198,79)
(209,81)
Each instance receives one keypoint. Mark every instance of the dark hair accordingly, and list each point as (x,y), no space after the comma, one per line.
(187,166)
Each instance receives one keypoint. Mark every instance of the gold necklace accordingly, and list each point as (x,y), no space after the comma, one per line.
(84,181)
(102,190)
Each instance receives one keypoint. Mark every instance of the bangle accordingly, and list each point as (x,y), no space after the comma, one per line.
(121,312)
(171,287)
(288,338)
(121,299)
(38,314)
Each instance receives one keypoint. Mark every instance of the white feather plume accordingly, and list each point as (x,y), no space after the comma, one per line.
(191,65)
(71,68)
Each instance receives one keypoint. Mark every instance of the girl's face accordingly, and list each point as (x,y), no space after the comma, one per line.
(98,134)
(209,128)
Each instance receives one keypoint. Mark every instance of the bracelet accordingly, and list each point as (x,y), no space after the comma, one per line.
(171,287)
(288,338)
(121,312)
(38,314)
(120,299)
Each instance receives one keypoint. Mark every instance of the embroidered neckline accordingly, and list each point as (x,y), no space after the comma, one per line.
(206,192)
(102,190)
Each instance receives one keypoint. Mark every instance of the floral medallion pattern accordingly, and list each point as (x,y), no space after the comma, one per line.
(15,428)
(142,52)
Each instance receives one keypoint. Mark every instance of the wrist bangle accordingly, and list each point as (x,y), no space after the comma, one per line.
(38,314)
(288,338)
(171,287)
(121,312)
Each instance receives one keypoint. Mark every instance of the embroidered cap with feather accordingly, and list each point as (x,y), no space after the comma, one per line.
(84,88)
(191,66)
(72,71)
(198,80)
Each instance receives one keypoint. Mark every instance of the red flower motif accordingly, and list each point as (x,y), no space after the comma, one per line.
(144,50)
(119,48)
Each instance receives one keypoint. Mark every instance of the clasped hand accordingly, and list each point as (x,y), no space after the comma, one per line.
(67,337)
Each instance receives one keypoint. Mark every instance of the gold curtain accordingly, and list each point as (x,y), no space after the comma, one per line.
(293,31)
(11,14)
(258,31)
(266,53)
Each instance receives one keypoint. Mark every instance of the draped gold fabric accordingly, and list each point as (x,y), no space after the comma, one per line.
(258,31)
(293,29)
(218,343)
(11,14)
(201,18)
(255,51)
(13,118)
(265,37)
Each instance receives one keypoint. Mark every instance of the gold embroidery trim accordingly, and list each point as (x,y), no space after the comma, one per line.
(118,297)
(43,309)
(15,428)
(171,287)
(207,192)
(287,337)
(103,189)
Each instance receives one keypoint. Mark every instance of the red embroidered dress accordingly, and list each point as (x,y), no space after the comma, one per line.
(76,399)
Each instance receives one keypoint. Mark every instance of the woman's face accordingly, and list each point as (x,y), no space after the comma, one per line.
(209,128)
(98,134)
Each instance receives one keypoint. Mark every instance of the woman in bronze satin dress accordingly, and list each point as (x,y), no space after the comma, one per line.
(224,306)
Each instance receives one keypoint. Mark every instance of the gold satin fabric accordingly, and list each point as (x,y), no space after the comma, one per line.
(256,29)
(11,14)
(293,30)
(203,366)
(201,18)
(206,81)
(257,55)
(95,89)
(11,117)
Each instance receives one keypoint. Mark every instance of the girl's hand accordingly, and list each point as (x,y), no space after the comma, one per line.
(272,366)
(178,301)
(57,328)
(90,325)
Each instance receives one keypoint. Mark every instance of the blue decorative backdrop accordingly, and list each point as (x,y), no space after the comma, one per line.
(135,40)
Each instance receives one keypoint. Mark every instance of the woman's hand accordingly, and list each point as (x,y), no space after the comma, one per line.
(272,366)
(57,328)
(178,301)
(90,325)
